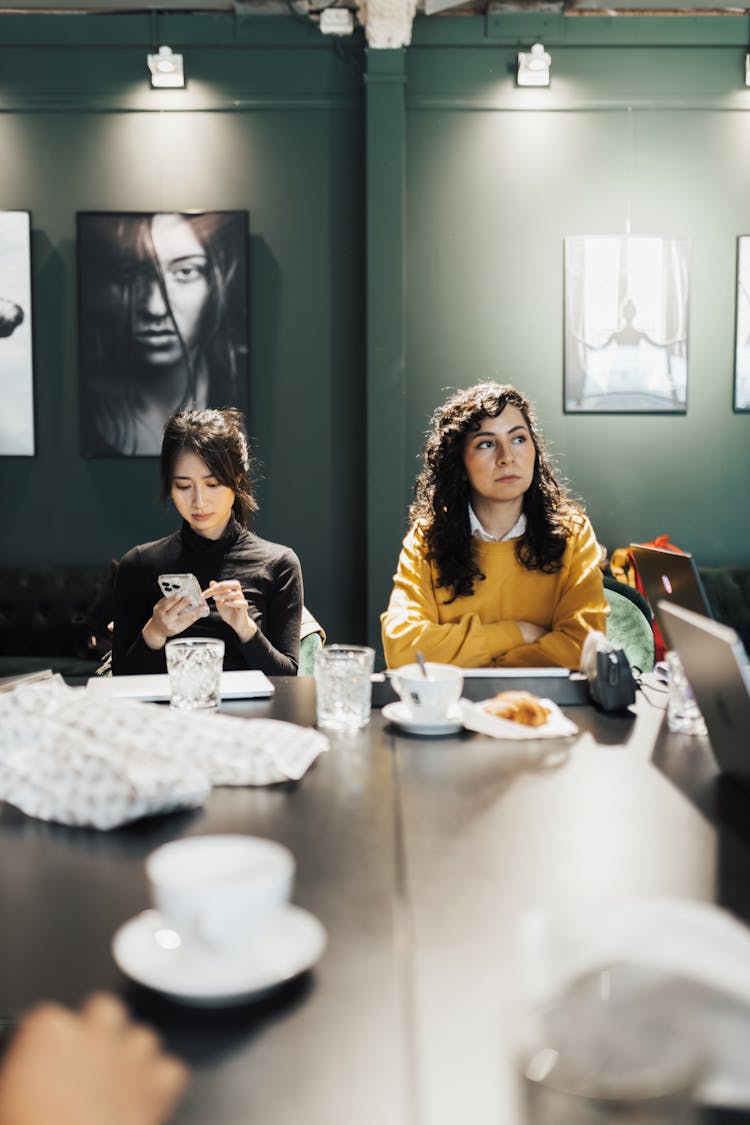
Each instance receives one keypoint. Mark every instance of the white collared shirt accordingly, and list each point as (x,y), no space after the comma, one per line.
(479,533)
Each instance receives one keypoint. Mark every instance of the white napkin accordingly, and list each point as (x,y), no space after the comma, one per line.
(703,952)
(474,717)
(237,751)
(69,757)
(68,767)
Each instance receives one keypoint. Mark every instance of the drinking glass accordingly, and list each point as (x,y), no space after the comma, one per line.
(683,715)
(343,687)
(612,1048)
(194,665)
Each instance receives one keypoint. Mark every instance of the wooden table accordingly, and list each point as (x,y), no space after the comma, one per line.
(420,857)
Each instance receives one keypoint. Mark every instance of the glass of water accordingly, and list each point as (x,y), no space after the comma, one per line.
(614,1047)
(683,714)
(343,687)
(194,665)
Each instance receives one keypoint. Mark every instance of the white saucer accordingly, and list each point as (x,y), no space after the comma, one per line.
(400,715)
(141,950)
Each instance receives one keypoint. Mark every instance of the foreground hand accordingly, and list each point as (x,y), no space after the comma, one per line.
(95,1067)
(170,616)
(231,606)
(530,632)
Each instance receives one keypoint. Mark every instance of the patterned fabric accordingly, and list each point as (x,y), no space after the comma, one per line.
(627,627)
(69,757)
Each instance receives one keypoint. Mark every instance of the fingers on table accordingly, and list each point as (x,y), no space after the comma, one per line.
(105,1011)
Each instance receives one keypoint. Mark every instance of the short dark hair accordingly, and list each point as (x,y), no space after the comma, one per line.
(442,492)
(218,438)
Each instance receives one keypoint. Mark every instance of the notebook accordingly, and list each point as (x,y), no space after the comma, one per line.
(670,578)
(717,667)
(244,684)
(558,684)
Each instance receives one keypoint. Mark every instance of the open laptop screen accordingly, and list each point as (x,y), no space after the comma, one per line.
(716,665)
(669,577)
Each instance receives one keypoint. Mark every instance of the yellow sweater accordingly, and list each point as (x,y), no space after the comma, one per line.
(482,630)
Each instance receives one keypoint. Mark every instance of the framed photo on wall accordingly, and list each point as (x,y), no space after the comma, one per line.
(16,366)
(626,317)
(163,322)
(742,331)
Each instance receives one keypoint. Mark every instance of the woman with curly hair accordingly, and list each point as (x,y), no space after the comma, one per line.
(254,587)
(499,567)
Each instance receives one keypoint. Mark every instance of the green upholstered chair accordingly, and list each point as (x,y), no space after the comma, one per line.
(312,638)
(627,626)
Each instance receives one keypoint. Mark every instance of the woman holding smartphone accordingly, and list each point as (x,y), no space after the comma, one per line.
(252,589)
(499,568)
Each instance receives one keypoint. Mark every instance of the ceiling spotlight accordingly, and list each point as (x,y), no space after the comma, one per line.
(533,67)
(166,69)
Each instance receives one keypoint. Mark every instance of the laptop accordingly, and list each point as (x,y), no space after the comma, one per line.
(566,688)
(717,667)
(670,578)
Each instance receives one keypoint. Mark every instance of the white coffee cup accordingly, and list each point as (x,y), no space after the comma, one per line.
(220,893)
(429,698)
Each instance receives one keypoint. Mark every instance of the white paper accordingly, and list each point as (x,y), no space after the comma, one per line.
(514,673)
(243,684)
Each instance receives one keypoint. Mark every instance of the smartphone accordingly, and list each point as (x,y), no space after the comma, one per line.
(185,584)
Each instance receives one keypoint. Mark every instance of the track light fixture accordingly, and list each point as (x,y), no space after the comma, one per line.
(166,68)
(533,67)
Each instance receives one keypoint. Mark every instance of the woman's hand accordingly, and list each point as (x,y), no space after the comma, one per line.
(231,607)
(170,616)
(530,632)
(88,1068)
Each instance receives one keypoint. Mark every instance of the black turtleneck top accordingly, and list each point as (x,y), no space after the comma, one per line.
(271,581)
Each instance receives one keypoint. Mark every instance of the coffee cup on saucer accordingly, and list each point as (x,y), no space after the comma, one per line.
(221,894)
(428,692)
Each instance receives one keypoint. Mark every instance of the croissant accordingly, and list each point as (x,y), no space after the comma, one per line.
(518,706)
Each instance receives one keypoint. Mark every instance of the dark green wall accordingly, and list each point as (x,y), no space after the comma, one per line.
(498,176)
(407,215)
(275,130)
(646,120)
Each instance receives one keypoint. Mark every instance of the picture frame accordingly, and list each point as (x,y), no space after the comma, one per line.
(625,324)
(741,388)
(16,337)
(163,322)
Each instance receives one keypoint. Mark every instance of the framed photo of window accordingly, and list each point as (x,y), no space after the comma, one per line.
(626,324)
(16,360)
(742,331)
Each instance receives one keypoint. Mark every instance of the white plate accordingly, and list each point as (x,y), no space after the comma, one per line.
(141,949)
(477,719)
(400,715)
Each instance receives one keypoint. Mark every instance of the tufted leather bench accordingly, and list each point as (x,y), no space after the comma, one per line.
(728,592)
(43,618)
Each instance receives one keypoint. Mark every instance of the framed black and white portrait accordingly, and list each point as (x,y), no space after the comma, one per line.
(16,367)
(163,322)
(742,333)
(626,324)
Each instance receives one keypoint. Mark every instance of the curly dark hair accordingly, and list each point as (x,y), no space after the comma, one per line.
(442,493)
(218,438)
